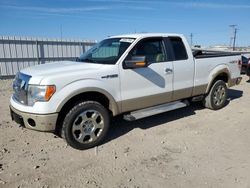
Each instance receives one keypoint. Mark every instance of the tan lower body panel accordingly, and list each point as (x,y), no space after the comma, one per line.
(182,93)
(147,101)
(153,100)
(199,90)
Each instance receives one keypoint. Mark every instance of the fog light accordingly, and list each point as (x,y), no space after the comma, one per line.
(31,122)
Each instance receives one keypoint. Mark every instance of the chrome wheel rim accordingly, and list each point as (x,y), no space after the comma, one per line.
(88,126)
(219,95)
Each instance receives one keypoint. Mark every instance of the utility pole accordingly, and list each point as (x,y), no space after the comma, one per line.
(61,31)
(233,36)
(191,39)
(235,32)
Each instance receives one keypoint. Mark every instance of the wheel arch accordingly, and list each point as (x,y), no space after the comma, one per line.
(91,94)
(219,74)
(94,94)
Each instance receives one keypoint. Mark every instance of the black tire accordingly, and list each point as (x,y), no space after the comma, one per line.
(217,96)
(81,117)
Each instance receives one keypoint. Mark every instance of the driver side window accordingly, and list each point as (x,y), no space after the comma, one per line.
(152,49)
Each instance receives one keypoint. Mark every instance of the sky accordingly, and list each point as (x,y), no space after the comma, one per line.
(208,21)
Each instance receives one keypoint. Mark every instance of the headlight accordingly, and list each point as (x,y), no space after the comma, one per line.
(40,93)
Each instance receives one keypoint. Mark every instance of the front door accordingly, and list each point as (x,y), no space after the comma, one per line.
(148,86)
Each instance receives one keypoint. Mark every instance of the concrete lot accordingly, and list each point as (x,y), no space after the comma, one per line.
(189,147)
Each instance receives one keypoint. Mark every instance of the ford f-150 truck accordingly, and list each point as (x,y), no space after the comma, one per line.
(136,75)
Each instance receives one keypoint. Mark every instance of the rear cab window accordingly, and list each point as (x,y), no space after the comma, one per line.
(178,48)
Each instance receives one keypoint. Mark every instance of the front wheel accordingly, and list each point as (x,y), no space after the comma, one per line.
(217,96)
(86,125)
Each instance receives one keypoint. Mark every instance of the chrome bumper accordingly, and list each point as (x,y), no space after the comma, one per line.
(39,122)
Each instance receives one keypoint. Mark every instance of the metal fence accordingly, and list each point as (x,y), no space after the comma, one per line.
(19,52)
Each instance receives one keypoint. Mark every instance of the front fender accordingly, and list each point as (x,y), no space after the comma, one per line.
(88,85)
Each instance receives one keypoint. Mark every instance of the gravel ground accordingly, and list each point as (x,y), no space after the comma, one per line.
(189,147)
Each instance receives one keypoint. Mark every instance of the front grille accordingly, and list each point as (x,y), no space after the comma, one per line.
(20,87)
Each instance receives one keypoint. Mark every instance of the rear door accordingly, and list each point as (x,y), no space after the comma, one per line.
(183,67)
(149,86)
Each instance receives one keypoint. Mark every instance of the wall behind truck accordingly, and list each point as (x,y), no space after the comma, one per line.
(17,53)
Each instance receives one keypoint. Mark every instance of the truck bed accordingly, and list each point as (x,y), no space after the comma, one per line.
(207,62)
(199,53)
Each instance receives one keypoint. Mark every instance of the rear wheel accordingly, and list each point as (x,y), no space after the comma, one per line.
(86,125)
(217,96)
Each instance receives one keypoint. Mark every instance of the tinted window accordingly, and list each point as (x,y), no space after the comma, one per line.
(179,49)
(151,48)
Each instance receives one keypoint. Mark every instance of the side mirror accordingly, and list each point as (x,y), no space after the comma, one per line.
(136,62)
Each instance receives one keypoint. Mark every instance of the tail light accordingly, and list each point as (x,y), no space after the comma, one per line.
(248,64)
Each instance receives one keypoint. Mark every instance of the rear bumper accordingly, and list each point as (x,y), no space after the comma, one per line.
(234,81)
(39,122)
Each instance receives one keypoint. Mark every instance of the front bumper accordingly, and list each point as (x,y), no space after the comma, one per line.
(39,122)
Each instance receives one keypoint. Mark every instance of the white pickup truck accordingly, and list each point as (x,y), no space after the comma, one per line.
(136,75)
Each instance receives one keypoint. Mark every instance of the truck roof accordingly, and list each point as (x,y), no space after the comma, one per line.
(143,35)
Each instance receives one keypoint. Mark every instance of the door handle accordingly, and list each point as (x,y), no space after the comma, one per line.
(169,71)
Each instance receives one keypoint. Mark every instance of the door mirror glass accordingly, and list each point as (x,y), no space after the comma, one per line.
(136,62)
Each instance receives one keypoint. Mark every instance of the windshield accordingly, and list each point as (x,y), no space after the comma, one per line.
(107,51)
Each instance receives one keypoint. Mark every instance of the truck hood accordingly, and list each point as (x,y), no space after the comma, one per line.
(39,72)
(58,67)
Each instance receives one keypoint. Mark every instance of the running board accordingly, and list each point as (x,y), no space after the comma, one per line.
(155,110)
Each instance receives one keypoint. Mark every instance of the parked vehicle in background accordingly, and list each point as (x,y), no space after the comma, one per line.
(137,75)
(248,69)
(245,63)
